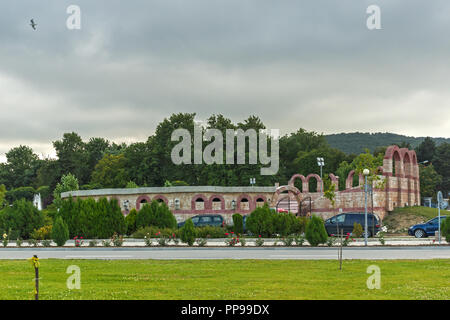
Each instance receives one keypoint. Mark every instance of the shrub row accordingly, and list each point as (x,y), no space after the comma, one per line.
(92,219)
(267,222)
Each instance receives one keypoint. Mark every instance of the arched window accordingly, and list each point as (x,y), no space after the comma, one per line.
(260,202)
(216,203)
(199,204)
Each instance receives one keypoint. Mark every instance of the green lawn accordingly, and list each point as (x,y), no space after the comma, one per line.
(425,212)
(227,279)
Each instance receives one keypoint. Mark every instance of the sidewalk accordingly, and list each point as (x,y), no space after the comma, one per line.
(250,242)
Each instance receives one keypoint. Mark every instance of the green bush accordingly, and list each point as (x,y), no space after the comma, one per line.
(187,233)
(260,221)
(26,193)
(44,233)
(130,221)
(155,214)
(357,230)
(210,232)
(153,230)
(315,231)
(22,218)
(60,232)
(92,219)
(266,222)
(238,223)
(445,229)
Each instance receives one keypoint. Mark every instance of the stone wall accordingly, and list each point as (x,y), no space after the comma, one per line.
(400,173)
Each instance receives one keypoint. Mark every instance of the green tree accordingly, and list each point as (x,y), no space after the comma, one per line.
(73,157)
(187,233)
(315,231)
(426,150)
(60,232)
(261,221)
(441,162)
(22,218)
(238,223)
(130,221)
(2,195)
(21,167)
(68,183)
(429,181)
(110,172)
(144,216)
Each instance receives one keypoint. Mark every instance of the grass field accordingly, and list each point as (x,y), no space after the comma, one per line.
(227,279)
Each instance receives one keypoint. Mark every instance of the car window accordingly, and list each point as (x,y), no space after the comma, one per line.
(435,220)
(217,219)
(340,219)
(195,219)
(206,219)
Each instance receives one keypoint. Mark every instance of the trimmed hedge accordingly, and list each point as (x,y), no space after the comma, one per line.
(91,219)
(267,222)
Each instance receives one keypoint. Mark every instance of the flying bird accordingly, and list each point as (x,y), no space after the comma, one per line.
(33,25)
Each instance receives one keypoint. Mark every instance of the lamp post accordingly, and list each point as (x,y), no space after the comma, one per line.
(252,181)
(365,173)
(320,163)
(439,201)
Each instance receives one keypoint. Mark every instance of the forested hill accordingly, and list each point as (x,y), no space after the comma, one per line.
(356,142)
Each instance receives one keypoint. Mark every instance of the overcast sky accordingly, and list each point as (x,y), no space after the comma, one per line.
(311,64)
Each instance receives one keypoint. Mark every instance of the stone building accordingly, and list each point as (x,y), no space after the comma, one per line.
(400,173)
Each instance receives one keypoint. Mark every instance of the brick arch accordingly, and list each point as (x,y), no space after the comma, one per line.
(200,196)
(301,177)
(407,165)
(161,197)
(139,199)
(349,181)
(222,201)
(335,181)
(318,179)
(250,203)
(277,196)
(390,151)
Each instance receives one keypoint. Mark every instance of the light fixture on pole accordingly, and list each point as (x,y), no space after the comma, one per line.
(252,181)
(366,172)
(320,163)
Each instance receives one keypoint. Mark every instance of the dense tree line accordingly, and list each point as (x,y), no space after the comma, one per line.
(99,163)
(357,142)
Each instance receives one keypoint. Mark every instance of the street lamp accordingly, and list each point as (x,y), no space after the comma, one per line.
(366,172)
(252,181)
(424,162)
(320,163)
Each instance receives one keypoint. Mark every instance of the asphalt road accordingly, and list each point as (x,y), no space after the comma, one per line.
(322,253)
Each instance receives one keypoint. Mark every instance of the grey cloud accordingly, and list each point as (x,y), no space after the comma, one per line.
(309,64)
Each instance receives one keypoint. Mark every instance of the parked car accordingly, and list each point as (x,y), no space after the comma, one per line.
(346,221)
(425,229)
(214,220)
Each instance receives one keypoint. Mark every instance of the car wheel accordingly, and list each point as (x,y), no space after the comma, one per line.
(419,233)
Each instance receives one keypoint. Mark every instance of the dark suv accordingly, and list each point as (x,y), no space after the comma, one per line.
(214,220)
(346,221)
